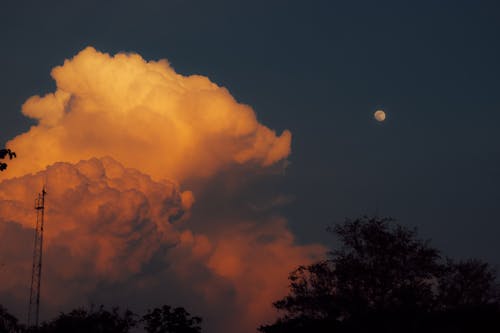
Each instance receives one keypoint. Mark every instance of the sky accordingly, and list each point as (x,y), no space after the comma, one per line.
(268,138)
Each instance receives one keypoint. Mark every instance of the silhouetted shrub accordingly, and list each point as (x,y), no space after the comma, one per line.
(171,320)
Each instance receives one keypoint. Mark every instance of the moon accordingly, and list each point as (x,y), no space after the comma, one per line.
(379,115)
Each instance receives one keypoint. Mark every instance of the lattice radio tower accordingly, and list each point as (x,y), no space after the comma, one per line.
(36,273)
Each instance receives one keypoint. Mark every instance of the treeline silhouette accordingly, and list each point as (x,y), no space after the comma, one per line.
(99,320)
(380,278)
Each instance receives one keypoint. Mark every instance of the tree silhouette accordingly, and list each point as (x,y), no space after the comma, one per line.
(94,320)
(171,320)
(467,284)
(3,154)
(8,323)
(99,320)
(383,278)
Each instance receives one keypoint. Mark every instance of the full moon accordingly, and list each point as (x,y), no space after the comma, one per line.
(379,115)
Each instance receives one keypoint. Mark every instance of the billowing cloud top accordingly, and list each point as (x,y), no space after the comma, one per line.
(145,116)
(114,143)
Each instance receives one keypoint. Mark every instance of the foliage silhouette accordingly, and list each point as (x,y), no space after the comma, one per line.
(3,154)
(99,320)
(467,284)
(171,320)
(384,279)
(8,323)
(94,320)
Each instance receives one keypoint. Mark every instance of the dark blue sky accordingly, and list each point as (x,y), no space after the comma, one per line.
(320,69)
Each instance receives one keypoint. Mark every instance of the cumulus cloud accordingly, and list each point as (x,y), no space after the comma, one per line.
(116,144)
(146,116)
(106,224)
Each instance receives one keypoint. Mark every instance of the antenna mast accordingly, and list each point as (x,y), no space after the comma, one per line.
(36,273)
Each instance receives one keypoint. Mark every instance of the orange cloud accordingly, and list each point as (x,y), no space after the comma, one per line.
(256,260)
(114,144)
(106,223)
(145,116)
